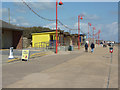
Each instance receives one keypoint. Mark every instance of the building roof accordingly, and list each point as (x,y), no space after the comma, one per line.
(51,31)
(45,32)
(67,33)
(77,35)
(9,26)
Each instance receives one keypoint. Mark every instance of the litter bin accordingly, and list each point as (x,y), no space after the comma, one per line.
(70,48)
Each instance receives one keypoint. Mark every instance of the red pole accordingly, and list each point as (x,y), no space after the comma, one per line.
(56,25)
(78,32)
(98,39)
(93,35)
(88,34)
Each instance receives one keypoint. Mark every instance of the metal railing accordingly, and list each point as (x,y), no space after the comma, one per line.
(51,45)
(45,45)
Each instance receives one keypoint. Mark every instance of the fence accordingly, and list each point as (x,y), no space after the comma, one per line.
(51,45)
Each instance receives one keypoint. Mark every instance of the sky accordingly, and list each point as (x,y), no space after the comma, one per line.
(102,15)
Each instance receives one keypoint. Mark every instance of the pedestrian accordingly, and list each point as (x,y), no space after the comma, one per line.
(101,43)
(31,43)
(86,47)
(92,47)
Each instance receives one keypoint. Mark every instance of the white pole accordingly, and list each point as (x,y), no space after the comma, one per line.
(11,53)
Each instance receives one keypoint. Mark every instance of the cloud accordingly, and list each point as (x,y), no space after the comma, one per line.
(13,21)
(36,6)
(3,11)
(21,10)
(28,1)
(24,24)
(41,5)
(19,21)
(83,27)
(108,31)
(114,12)
(90,17)
(53,26)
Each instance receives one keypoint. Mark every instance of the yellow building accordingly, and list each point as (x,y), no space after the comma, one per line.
(44,38)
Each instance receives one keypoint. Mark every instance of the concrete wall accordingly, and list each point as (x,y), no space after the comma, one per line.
(11,38)
(0,38)
(7,39)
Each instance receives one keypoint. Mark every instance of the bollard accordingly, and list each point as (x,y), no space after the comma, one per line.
(111,51)
(11,53)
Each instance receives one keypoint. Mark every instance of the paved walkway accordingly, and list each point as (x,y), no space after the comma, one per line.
(76,69)
(17,53)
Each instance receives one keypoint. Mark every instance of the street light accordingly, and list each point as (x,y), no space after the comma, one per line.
(60,3)
(93,33)
(79,17)
(89,24)
(98,37)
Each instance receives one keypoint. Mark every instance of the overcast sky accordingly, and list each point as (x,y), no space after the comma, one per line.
(102,15)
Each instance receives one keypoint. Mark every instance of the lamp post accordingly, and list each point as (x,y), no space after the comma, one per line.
(93,33)
(60,3)
(89,24)
(98,37)
(79,17)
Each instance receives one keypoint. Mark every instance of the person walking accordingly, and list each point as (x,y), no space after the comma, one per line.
(92,47)
(86,47)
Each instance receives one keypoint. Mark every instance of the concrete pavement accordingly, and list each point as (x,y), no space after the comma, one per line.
(76,69)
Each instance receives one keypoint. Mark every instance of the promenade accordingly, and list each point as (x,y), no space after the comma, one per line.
(76,69)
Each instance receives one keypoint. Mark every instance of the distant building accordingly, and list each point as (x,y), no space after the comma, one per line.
(10,36)
(82,38)
(48,38)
